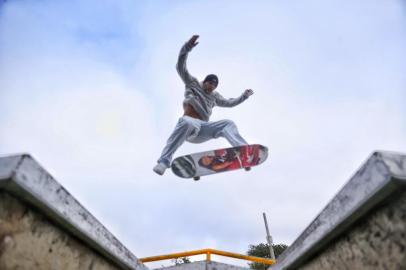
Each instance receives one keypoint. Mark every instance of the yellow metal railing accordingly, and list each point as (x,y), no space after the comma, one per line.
(208,252)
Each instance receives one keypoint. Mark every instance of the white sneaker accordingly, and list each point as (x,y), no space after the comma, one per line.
(160,168)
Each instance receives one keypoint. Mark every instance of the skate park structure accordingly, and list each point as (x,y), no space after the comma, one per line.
(42,226)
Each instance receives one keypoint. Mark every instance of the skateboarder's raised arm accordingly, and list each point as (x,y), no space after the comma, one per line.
(231,102)
(181,65)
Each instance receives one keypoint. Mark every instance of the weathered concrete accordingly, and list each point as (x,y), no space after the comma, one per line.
(204,265)
(43,226)
(363,227)
(375,242)
(29,241)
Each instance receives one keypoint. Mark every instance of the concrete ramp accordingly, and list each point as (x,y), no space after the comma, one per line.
(362,227)
(43,227)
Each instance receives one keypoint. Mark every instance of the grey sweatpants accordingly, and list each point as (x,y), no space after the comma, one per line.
(197,131)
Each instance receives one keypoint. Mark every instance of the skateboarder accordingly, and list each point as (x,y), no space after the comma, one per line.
(194,126)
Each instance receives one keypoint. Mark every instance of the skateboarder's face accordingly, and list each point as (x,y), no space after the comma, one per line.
(206,160)
(209,86)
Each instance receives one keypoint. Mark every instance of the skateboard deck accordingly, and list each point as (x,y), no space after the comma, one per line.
(219,160)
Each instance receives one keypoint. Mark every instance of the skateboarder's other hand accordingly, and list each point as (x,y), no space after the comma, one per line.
(192,41)
(248,93)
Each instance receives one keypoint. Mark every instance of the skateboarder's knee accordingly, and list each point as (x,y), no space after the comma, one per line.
(229,123)
(186,124)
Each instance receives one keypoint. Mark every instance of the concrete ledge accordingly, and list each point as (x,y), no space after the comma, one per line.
(204,265)
(25,179)
(382,177)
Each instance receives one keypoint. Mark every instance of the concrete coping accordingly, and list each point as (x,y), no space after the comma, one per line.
(23,177)
(203,265)
(380,177)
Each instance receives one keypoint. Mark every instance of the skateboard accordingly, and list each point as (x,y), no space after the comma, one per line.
(219,160)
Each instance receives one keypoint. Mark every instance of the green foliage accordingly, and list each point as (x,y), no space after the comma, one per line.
(182,260)
(262,250)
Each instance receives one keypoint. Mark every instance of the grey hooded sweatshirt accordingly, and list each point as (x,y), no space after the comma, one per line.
(202,101)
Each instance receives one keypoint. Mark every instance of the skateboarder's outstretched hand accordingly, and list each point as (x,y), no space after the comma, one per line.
(248,93)
(192,41)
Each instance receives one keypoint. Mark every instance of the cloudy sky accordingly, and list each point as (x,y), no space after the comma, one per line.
(89,89)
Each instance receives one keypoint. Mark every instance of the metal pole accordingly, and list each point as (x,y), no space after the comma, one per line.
(269,238)
(208,256)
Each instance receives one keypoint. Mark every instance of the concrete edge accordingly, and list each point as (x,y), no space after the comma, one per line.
(380,176)
(24,178)
(8,165)
(203,264)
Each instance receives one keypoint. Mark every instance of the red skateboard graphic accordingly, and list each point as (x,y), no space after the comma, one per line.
(220,160)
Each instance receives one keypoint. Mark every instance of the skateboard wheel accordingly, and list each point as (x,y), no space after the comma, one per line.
(197,178)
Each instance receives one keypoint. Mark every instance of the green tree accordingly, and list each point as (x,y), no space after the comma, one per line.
(262,250)
(181,260)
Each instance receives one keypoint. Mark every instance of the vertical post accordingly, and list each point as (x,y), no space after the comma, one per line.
(208,256)
(269,238)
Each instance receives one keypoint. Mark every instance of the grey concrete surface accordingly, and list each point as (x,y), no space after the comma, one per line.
(381,178)
(204,265)
(377,241)
(22,177)
(28,240)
